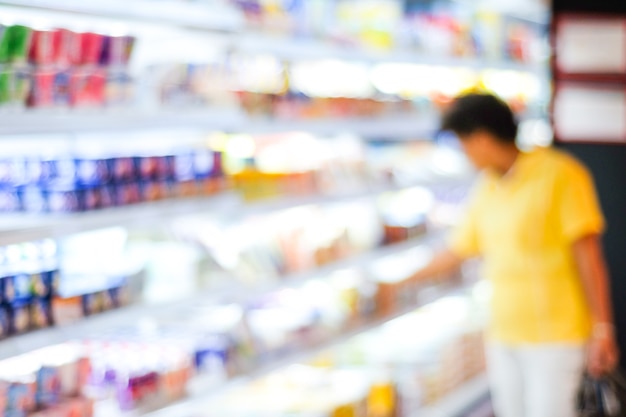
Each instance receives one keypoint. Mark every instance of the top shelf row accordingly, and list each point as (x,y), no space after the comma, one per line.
(477,40)
(213,15)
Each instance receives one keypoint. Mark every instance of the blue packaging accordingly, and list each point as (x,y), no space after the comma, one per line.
(12,171)
(5,322)
(40,314)
(32,199)
(183,166)
(165,167)
(211,351)
(40,284)
(16,288)
(203,163)
(63,198)
(9,200)
(54,276)
(48,386)
(93,171)
(61,88)
(41,171)
(19,317)
(20,399)
(116,297)
(92,304)
(65,171)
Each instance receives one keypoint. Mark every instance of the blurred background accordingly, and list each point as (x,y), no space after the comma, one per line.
(212,207)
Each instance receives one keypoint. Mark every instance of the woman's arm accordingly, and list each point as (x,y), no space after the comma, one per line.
(603,353)
(442,263)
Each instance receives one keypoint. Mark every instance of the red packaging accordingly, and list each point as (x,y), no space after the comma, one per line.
(87,88)
(43,47)
(90,48)
(4,388)
(49,88)
(42,89)
(67,46)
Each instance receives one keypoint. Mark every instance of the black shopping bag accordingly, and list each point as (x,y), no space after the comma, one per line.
(603,397)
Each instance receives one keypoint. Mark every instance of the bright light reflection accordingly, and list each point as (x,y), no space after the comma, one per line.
(331,78)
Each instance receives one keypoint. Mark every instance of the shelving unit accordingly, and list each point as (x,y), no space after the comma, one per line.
(203,390)
(286,48)
(137,313)
(460,401)
(227,27)
(196,16)
(408,126)
(18,228)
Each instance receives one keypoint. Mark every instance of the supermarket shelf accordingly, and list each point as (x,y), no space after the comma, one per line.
(40,122)
(137,313)
(17,228)
(197,16)
(356,261)
(459,402)
(413,126)
(303,49)
(24,227)
(204,390)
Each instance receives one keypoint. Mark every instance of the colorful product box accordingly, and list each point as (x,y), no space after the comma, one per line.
(50,88)
(116,50)
(41,171)
(67,47)
(40,314)
(119,88)
(43,47)
(9,200)
(14,45)
(91,45)
(67,310)
(48,386)
(93,171)
(128,193)
(122,169)
(19,313)
(32,199)
(12,171)
(63,198)
(87,88)
(15,84)
(16,287)
(21,397)
(5,322)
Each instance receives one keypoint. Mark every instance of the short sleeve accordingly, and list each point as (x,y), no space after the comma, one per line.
(464,238)
(578,207)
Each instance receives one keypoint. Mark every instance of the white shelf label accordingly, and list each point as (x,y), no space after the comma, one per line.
(590,115)
(591,46)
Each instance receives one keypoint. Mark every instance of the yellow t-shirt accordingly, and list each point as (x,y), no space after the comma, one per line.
(523,225)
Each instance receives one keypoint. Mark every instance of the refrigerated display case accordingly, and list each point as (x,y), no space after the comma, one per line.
(255,166)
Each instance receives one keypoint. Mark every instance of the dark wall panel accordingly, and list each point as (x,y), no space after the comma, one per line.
(597,6)
(608,165)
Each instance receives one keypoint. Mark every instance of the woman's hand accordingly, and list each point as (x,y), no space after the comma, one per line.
(602,353)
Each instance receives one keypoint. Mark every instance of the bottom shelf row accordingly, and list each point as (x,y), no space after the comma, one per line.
(398,365)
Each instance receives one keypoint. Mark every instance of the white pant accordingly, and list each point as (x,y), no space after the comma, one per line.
(534,380)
